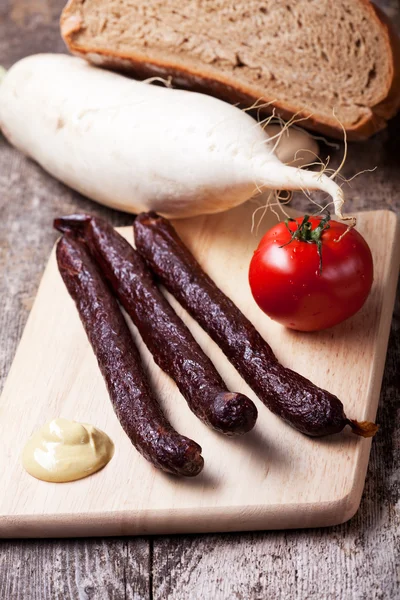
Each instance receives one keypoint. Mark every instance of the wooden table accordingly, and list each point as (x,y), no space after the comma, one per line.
(357,560)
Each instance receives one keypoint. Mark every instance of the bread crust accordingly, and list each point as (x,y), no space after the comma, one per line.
(228,89)
(389,105)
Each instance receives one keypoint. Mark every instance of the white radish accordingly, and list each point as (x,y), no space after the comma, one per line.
(135,146)
(293,147)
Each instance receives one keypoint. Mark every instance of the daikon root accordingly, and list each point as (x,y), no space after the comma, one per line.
(274,199)
(105,136)
(166,82)
(323,179)
(291,178)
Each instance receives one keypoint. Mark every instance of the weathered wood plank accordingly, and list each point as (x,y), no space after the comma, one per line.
(29,201)
(75,569)
(358,560)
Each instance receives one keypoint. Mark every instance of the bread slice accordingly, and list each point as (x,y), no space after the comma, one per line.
(332,61)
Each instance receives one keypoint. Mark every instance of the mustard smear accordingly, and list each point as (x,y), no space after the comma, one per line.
(64,450)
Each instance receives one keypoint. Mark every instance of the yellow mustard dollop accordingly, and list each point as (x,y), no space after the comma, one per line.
(64,450)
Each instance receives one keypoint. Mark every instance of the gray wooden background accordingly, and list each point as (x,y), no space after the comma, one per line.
(357,560)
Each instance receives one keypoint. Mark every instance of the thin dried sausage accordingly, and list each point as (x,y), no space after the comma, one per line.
(172,345)
(294,398)
(134,403)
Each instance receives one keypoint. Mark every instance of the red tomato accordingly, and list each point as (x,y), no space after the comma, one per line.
(288,284)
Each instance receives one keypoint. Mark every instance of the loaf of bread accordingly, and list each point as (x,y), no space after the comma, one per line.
(335,62)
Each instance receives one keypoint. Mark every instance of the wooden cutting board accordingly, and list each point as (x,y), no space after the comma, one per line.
(271,478)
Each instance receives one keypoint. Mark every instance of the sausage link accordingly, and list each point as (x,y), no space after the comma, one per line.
(294,398)
(134,403)
(173,347)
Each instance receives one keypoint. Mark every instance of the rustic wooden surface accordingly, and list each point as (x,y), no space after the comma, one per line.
(358,560)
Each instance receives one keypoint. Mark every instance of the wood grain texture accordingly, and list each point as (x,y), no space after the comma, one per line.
(29,201)
(77,569)
(271,478)
(359,560)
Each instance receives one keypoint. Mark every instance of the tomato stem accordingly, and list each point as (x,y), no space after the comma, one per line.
(305,233)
